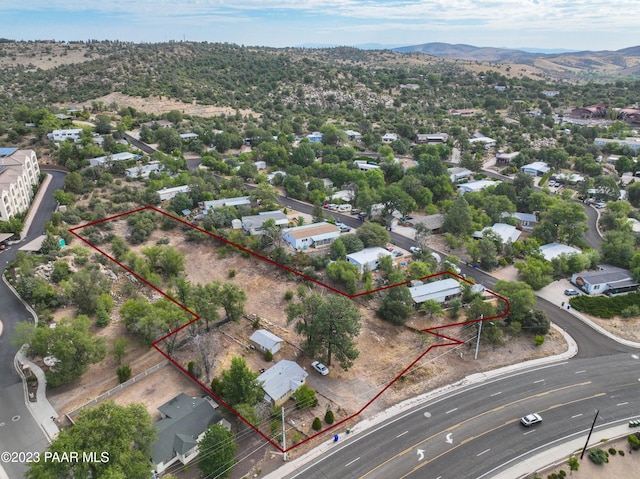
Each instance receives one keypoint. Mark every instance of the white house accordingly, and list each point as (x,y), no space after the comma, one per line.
(537,168)
(184,422)
(254,224)
(264,340)
(506,158)
(366,166)
(506,233)
(19,171)
(188,136)
(606,279)
(107,160)
(456,174)
(389,137)
(631,142)
(441,291)
(526,221)
(170,193)
(368,258)
(312,235)
(68,134)
(474,186)
(260,165)
(353,135)
(432,138)
(552,250)
(281,380)
(315,137)
(143,171)
(237,201)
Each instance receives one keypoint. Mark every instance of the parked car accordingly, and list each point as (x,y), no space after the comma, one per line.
(531,419)
(344,228)
(397,254)
(601,204)
(552,183)
(571,292)
(321,368)
(414,249)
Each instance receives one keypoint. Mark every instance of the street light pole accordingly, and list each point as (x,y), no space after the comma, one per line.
(478,340)
(589,436)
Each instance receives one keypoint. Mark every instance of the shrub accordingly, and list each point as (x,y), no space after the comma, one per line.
(231,273)
(124,373)
(574,463)
(190,367)
(268,356)
(598,456)
(216,386)
(621,453)
(539,340)
(317,424)
(103,318)
(631,311)
(612,451)
(305,397)
(634,441)
(329,418)
(605,307)
(288,295)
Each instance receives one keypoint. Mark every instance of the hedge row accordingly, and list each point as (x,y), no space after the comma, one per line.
(603,306)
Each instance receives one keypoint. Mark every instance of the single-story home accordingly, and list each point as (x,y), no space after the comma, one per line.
(431,138)
(506,233)
(170,193)
(553,250)
(254,224)
(368,258)
(281,380)
(315,137)
(441,290)
(606,279)
(106,160)
(456,174)
(526,221)
(260,165)
(477,185)
(184,422)
(271,176)
(485,140)
(311,235)
(264,340)
(631,142)
(237,201)
(188,136)
(506,158)
(353,135)
(389,137)
(143,171)
(68,134)
(537,168)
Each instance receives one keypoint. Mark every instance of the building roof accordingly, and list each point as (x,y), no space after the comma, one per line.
(438,290)
(506,233)
(608,274)
(186,418)
(101,160)
(553,250)
(530,217)
(175,189)
(476,185)
(34,245)
(282,377)
(256,221)
(265,338)
(313,230)
(368,255)
(538,166)
(237,201)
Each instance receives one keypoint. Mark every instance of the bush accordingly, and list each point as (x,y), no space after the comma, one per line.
(124,373)
(268,356)
(317,424)
(539,340)
(216,387)
(598,456)
(329,418)
(605,307)
(190,367)
(620,453)
(612,451)
(631,311)
(305,397)
(574,463)
(103,318)
(231,273)
(288,295)
(634,441)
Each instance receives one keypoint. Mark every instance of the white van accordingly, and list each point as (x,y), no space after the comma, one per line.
(344,208)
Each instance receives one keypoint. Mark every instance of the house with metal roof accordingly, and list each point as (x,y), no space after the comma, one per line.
(441,291)
(368,258)
(389,137)
(311,235)
(606,279)
(108,159)
(254,224)
(67,134)
(222,202)
(526,221)
(143,171)
(184,422)
(264,340)
(506,233)
(537,168)
(456,174)
(477,185)
(170,193)
(281,380)
(551,251)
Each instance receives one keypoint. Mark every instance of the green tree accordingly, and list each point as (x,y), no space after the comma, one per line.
(240,384)
(373,234)
(520,296)
(124,433)
(458,219)
(174,116)
(535,271)
(86,286)
(332,331)
(338,250)
(119,349)
(219,449)
(618,248)
(73,183)
(305,397)
(397,304)
(344,273)
(352,243)
(232,298)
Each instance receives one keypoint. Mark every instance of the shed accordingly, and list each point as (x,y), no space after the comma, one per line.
(265,340)
(368,258)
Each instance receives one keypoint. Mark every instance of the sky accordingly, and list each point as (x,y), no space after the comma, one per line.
(541,24)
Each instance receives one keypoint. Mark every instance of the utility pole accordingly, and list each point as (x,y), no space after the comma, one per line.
(478,340)
(284,441)
(589,436)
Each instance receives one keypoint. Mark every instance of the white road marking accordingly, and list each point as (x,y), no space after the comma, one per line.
(577,415)
(349,463)
(399,435)
(483,452)
(529,432)
(496,394)
(622,404)
(451,410)
(580,372)
(538,381)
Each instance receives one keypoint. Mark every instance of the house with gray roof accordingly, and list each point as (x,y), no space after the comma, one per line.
(184,422)
(551,251)
(537,168)
(281,380)
(143,171)
(108,159)
(506,233)
(222,202)
(264,340)
(441,290)
(526,221)
(606,279)
(254,224)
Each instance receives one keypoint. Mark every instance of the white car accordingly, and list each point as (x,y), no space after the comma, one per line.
(601,204)
(531,419)
(321,368)
(414,249)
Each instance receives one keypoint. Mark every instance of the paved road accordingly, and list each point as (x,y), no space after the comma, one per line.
(481,423)
(18,430)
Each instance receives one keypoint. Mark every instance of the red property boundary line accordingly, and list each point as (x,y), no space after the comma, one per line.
(449,341)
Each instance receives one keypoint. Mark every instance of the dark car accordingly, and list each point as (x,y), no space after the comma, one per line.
(571,292)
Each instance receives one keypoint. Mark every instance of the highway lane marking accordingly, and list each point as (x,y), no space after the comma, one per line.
(451,410)
(411,448)
(529,432)
(496,394)
(349,463)
(401,434)
(580,372)
(483,452)
(539,381)
(577,415)
(622,404)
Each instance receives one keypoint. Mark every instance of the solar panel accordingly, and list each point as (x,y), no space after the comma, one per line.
(7,151)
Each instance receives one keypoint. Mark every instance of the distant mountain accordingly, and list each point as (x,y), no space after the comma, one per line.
(466,52)
(546,51)
(360,46)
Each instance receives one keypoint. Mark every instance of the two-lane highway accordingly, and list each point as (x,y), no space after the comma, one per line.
(475,431)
